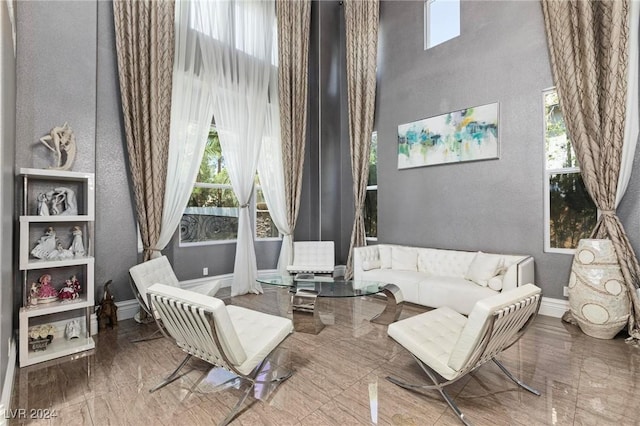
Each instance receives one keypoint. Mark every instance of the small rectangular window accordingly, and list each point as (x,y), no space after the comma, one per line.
(442,21)
(371,200)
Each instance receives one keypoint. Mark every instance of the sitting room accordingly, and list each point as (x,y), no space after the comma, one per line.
(328,212)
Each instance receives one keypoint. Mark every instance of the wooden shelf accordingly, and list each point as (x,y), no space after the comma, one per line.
(58,218)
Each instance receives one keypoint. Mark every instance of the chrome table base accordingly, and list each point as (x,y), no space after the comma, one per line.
(393,309)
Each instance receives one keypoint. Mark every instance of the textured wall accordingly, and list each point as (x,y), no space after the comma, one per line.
(56,78)
(116,232)
(495,206)
(7,134)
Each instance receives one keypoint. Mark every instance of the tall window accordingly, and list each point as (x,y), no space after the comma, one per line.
(212,211)
(371,200)
(441,21)
(570,214)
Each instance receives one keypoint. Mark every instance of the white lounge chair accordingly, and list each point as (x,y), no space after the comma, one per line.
(448,345)
(237,339)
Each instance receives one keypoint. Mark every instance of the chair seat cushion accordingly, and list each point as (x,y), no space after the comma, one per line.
(259,334)
(431,337)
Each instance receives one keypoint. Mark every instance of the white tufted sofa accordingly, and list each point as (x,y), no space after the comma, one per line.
(437,277)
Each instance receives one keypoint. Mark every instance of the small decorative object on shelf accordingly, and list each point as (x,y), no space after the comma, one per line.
(46,244)
(33,295)
(62,142)
(40,336)
(60,201)
(71,289)
(77,247)
(46,292)
(72,330)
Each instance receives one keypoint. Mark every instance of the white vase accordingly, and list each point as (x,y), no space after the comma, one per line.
(598,296)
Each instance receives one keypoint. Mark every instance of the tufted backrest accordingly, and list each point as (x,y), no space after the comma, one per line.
(186,314)
(313,256)
(512,309)
(152,271)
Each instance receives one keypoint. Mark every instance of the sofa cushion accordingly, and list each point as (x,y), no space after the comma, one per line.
(406,280)
(449,263)
(385,256)
(404,259)
(495,283)
(368,265)
(456,293)
(483,268)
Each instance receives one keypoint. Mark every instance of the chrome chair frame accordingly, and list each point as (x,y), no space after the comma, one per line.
(485,351)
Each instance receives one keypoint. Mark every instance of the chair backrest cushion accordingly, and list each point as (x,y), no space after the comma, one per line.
(196,334)
(314,256)
(478,321)
(157,270)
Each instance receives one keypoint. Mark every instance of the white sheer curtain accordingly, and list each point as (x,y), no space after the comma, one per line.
(236,42)
(271,174)
(191,113)
(632,119)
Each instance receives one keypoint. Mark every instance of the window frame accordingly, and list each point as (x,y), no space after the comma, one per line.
(374,187)
(548,173)
(208,242)
(427,21)
(254,202)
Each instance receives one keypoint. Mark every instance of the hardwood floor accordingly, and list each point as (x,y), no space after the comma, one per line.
(339,379)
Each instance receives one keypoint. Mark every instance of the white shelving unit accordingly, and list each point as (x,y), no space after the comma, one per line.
(57,313)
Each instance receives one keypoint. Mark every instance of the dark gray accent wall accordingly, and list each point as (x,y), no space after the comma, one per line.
(7,149)
(56,66)
(497,205)
(116,230)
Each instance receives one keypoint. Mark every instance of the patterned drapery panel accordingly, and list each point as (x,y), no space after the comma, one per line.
(588,48)
(294,19)
(145,45)
(362,47)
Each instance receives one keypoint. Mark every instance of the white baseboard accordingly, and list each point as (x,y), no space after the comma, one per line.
(127,309)
(7,387)
(553,307)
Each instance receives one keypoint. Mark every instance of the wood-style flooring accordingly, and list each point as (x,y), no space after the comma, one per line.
(339,379)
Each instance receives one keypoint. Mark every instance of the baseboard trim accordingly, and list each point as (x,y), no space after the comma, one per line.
(553,307)
(127,309)
(7,387)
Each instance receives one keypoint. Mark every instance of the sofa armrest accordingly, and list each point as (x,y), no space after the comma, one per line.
(519,274)
(361,254)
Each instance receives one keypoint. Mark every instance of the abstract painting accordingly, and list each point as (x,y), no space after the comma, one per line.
(468,134)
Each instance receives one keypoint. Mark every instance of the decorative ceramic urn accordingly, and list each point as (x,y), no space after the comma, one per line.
(598,296)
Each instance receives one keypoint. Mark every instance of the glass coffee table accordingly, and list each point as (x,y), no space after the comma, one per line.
(305,291)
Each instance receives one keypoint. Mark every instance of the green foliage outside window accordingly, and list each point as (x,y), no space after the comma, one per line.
(212,170)
(572,213)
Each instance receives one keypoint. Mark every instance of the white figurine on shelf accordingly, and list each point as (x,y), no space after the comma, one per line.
(68,197)
(62,142)
(43,205)
(77,247)
(46,244)
(33,294)
(60,253)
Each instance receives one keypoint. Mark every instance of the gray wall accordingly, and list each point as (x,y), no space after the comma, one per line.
(495,206)
(7,148)
(67,72)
